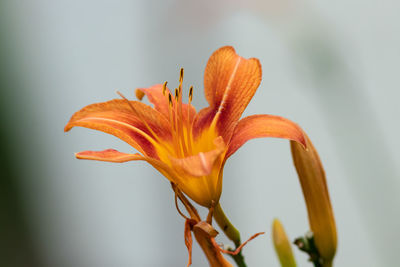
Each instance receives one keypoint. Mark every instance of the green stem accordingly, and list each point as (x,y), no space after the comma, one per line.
(231,232)
(223,222)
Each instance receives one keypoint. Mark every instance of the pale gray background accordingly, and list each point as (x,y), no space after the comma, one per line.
(331,66)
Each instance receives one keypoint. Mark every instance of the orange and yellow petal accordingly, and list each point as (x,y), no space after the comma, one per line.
(159,98)
(201,174)
(257,126)
(109,155)
(200,164)
(230,82)
(112,155)
(202,121)
(156,97)
(133,122)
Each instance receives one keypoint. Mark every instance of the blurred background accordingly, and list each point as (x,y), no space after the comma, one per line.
(331,66)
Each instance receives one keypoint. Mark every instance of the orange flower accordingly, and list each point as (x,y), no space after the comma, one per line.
(189,148)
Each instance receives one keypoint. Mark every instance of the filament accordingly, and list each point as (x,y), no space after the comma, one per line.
(139,115)
(188,122)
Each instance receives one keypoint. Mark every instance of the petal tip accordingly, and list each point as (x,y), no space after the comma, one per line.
(304,144)
(226,47)
(303,141)
(108,155)
(68,127)
(87,153)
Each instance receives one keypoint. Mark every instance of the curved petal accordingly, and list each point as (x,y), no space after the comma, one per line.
(161,103)
(200,164)
(257,126)
(109,155)
(112,155)
(202,120)
(155,96)
(230,82)
(134,122)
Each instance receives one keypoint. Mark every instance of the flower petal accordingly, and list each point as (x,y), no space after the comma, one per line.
(200,164)
(188,241)
(230,82)
(134,122)
(202,120)
(155,96)
(257,126)
(161,103)
(110,155)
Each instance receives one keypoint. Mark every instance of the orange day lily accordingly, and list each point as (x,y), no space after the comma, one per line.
(189,148)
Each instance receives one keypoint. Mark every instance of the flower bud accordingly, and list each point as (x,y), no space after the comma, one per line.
(320,214)
(282,245)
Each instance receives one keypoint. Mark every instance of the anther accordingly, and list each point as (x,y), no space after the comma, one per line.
(176,93)
(191,93)
(164,89)
(181,76)
(170,99)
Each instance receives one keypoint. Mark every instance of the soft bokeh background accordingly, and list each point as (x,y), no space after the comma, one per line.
(331,66)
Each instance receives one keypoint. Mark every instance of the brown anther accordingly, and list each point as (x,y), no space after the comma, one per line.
(164,89)
(191,93)
(170,99)
(139,94)
(176,93)
(181,76)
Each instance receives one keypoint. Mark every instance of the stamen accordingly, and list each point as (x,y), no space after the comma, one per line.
(190,94)
(138,115)
(176,94)
(181,76)
(164,89)
(140,118)
(134,110)
(188,122)
(171,115)
(173,123)
(177,206)
(178,123)
(170,100)
(189,207)
(178,97)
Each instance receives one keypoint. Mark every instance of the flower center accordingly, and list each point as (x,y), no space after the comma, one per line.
(181,119)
